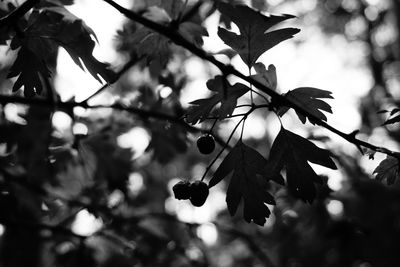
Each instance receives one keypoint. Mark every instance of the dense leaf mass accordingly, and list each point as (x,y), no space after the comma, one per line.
(89,185)
(47,30)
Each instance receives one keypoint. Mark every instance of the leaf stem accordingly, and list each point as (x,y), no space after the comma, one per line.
(229,139)
(222,150)
(243,123)
(212,126)
(251,87)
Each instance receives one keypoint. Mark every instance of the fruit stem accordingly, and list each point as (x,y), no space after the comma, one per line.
(223,148)
(212,127)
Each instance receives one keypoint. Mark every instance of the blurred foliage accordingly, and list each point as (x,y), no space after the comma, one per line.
(48,175)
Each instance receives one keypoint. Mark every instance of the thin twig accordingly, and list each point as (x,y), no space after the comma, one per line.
(224,147)
(69,105)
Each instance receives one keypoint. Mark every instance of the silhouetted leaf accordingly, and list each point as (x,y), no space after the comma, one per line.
(382,111)
(31,69)
(152,46)
(394,111)
(76,37)
(249,181)
(254,39)
(392,120)
(293,152)
(388,170)
(225,94)
(308,98)
(266,76)
(52,27)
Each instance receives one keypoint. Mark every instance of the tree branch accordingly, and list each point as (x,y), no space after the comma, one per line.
(230,70)
(69,105)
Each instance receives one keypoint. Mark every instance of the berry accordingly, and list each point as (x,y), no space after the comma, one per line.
(198,193)
(181,190)
(206,144)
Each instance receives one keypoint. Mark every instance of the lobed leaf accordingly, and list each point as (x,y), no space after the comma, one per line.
(249,182)
(31,70)
(225,94)
(253,39)
(48,29)
(309,99)
(76,37)
(266,76)
(293,152)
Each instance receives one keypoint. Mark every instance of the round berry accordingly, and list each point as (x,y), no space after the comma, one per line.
(198,193)
(181,190)
(206,144)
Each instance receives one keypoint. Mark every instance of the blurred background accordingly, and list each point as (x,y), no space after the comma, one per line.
(111,172)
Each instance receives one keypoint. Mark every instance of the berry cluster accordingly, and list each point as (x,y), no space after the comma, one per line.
(197,192)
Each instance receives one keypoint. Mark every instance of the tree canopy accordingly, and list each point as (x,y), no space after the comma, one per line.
(78,196)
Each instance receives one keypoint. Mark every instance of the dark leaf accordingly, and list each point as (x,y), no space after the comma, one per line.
(392,120)
(76,37)
(293,152)
(249,181)
(394,111)
(382,111)
(225,93)
(309,99)
(47,30)
(113,163)
(167,141)
(193,32)
(266,76)
(31,69)
(254,39)
(387,170)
